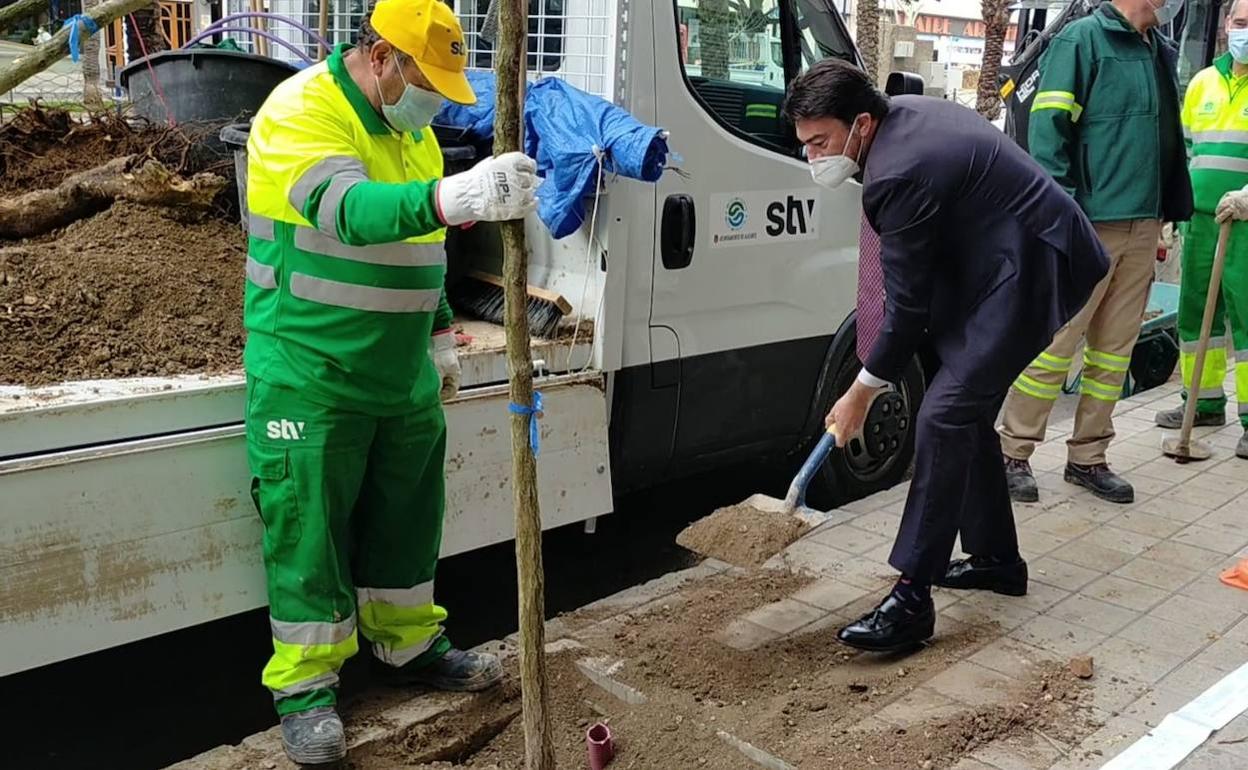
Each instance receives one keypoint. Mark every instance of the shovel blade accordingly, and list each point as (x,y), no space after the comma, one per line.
(769,504)
(1186,452)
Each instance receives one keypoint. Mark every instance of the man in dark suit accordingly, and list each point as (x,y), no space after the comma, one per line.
(983,258)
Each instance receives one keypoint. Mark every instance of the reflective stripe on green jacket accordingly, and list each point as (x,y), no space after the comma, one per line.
(346,258)
(1215,124)
(1097,120)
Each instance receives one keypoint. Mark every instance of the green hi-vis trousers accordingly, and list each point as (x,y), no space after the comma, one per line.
(352,508)
(1199,244)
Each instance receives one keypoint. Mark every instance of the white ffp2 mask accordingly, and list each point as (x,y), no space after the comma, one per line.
(832,171)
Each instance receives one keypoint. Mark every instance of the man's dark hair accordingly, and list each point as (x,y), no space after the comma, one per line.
(833,88)
(368,37)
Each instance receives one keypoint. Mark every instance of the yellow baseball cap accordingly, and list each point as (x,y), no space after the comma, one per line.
(429,32)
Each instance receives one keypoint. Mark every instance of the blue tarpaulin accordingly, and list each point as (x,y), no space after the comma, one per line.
(562,128)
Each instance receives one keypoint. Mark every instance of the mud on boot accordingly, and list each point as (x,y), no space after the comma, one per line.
(456,671)
(1172,419)
(1021,481)
(1101,481)
(314,737)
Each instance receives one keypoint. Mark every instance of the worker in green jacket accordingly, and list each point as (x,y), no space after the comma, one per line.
(1105,124)
(349,354)
(1215,124)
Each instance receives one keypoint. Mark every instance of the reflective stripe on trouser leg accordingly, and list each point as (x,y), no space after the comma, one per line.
(1030,399)
(399,535)
(307,463)
(1199,244)
(1112,334)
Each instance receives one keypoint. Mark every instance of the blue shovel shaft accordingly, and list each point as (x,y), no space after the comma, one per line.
(796,498)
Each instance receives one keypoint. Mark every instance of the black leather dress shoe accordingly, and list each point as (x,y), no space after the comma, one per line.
(891,626)
(1009,578)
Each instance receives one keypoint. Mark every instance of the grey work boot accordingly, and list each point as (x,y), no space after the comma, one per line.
(456,671)
(1172,419)
(1101,481)
(1021,481)
(314,737)
(1241,449)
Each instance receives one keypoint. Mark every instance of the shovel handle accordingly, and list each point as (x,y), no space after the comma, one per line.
(1206,328)
(796,497)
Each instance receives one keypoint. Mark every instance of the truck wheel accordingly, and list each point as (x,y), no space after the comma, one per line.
(881,458)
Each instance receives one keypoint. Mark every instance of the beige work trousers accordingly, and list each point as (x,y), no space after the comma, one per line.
(1110,322)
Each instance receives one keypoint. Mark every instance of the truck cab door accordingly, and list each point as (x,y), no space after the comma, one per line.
(755,266)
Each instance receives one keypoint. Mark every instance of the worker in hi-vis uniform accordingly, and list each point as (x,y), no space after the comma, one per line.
(1215,124)
(349,355)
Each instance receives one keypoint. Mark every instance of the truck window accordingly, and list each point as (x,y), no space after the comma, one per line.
(734,53)
(1203,37)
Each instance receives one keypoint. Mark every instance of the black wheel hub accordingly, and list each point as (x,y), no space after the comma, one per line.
(888,421)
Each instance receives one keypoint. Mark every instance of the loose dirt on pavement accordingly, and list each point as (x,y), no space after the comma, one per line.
(741,535)
(804,699)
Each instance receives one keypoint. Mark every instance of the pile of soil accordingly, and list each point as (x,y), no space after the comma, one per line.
(803,698)
(742,535)
(130,292)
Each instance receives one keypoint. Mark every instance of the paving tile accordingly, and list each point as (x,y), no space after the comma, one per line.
(1147,524)
(1103,745)
(1054,572)
(785,616)
(1212,492)
(1184,609)
(880,554)
(1183,555)
(1209,589)
(1066,525)
(744,636)
(1012,657)
(1157,574)
(880,522)
(919,706)
(1093,613)
(1233,739)
(1165,635)
(971,684)
(1167,469)
(1137,661)
(1092,556)
(1186,513)
(1207,758)
(1057,636)
(1033,543)
(1224,655)
(1121,540)
(1147,487)
(1239,633)
(1125,593)
(1048,462)
(944,597)
(1231,468)
(1112,693)
(850,539)
(969,763)
(1040,597)
(1153,706)
(1191,679)
(1231,516)
(1019,753)
(829,594)
(1219,540)
(810,557)
(982,613)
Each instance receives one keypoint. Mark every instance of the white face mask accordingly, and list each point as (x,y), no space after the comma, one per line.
(1166,12)
(415,108)
(832,171)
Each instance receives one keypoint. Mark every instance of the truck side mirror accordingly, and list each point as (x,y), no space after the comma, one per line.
(900,83)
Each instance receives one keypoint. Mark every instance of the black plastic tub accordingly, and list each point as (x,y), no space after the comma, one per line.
(201,85)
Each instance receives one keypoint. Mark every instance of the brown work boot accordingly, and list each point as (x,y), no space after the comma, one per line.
(1101,481)
(1021,481)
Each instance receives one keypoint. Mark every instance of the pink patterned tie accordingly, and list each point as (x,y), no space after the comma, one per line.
(870,288)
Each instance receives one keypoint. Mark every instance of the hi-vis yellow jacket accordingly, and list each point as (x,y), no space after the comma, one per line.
(1215,127)
(346,259)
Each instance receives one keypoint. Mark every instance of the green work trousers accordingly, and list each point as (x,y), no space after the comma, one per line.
(1199,244)
(352,507)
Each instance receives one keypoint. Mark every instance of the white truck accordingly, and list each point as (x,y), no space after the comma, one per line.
(714,324)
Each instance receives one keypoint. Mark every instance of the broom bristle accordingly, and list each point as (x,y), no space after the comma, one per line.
(486,301)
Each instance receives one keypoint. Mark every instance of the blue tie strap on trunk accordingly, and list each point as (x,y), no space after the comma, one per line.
(75,31)
(533,413)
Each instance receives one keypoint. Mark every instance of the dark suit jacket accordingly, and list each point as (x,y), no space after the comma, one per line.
(983,253)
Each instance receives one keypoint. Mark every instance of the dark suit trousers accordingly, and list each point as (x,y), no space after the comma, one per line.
(959,483)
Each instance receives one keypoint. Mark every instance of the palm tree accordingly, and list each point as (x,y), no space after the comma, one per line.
(90,58)
(996,15)
(868,29)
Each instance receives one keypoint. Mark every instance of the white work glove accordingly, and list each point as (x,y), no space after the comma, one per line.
(495,190)
(1234,205)
(446,360)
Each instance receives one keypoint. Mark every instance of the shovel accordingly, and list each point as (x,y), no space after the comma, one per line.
(794,502)
(1183,449)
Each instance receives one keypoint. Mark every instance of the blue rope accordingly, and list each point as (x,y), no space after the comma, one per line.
(533,413)
(72,22)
